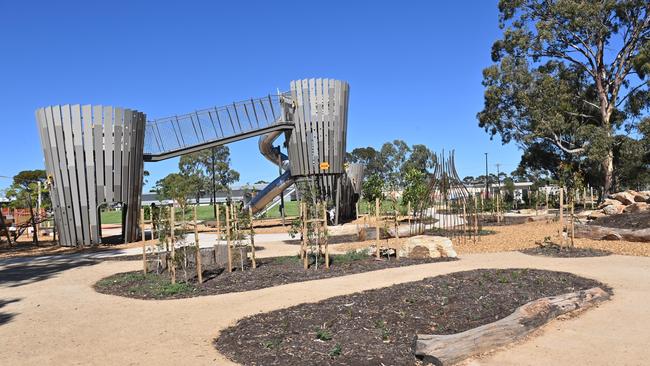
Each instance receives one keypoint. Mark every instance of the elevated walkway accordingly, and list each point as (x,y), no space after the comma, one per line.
(177,135)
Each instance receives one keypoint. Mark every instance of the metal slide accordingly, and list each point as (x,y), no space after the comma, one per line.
(281,183)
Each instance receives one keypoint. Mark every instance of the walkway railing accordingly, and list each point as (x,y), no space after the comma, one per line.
(179,134)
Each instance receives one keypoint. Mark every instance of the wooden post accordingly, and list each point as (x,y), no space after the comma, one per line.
(218,225)
(305,257)
(396,225)
(584,198)
(476,237)
(408,214)
(229,250)
(377,224)
(327,252)
(302,231)
(496,197)
(591,195)
(464,219)
(546,191)
(562,215)
(172,225)
(572,223)
(144,249)
(252,235)
(199,267)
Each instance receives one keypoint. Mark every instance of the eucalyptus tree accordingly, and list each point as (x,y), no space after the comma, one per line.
(571,74)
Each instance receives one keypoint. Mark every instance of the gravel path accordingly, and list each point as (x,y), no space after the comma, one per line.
(57,318)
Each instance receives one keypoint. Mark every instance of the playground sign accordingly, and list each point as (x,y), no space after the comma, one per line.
(324,165)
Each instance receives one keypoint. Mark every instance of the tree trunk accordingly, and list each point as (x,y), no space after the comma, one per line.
(608,170)
(33,220)
(453,348)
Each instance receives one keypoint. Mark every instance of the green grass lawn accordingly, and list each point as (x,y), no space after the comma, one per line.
(206,212)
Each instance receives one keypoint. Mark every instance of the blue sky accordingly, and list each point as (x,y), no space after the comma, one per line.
(414,68)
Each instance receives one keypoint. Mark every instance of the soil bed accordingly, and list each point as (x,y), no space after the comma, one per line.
(269,272)
(632,221)
(574,252)
(378,327)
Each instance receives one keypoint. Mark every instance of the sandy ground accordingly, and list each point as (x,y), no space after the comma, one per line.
(507,237)
(49,314)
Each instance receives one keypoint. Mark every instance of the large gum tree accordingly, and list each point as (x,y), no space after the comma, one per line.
(569,73)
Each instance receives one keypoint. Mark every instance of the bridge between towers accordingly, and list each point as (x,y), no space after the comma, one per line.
(183,134)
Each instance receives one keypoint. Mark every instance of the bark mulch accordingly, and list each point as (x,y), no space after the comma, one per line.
(378,327)
(269,272)
(568,252)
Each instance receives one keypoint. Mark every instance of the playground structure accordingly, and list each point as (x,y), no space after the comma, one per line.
(94,154)
(452,209)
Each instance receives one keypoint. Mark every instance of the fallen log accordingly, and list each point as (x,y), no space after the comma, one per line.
(453,348)
(597,232)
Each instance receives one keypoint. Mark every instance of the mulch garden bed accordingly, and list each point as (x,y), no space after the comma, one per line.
(568,252)
(269,272)
(378,327)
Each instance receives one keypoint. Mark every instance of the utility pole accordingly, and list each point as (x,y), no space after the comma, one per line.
(487,184)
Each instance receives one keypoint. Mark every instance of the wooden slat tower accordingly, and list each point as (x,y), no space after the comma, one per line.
(317,142)
(93,156)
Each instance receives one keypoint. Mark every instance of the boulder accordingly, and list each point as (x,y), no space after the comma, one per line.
(426,246)
(637,207)
(609,202)
(641,197)
(625,198)
(613,209)
(593,215)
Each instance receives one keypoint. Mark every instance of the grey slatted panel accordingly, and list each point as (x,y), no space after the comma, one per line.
(318,102)
(298,134)
(80,168)
(126,144)
(109,189)
(88,138)
(327,120)
(117,154)
(72,171)
(295,148)
(130,171)
(49,164)
(140,166)
(98,145)
(344,127)
(303,129)
(127,133)
(308,127)
(337,152)
(53,116)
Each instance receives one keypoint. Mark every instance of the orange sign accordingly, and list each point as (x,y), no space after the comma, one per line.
(324,165)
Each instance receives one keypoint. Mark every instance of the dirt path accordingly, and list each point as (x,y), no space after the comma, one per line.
(59,319)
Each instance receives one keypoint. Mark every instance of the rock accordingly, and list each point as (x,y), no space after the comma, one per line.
(446,249)
(640,197)
(613,209)
(426,246)
(594,215)
(609,202)
(637,207)
(372,251)
(625,198)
